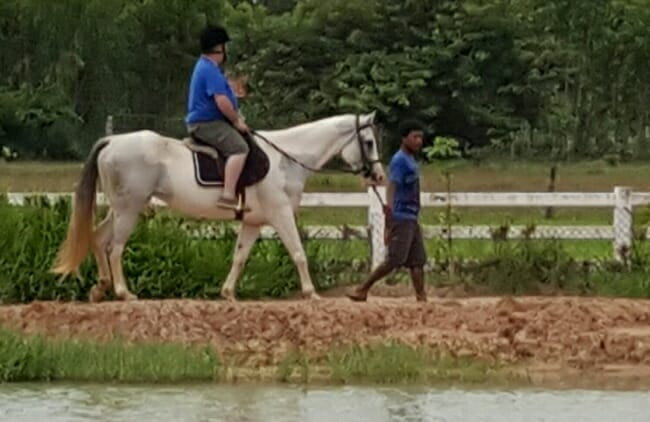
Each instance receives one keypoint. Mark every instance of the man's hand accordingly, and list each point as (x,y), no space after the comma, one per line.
(386,236)
(241,125)
(387,223)
(238,86)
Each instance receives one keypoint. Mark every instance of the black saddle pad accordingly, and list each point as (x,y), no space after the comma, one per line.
(210,172)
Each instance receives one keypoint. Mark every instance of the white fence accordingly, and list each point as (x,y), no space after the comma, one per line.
(621,200)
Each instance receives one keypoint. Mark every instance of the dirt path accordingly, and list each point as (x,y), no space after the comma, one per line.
(610,335)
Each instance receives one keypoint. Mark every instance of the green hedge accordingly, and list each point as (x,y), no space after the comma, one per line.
(161,259)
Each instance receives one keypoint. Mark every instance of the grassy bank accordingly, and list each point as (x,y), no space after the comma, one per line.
(388,363)
(36,358)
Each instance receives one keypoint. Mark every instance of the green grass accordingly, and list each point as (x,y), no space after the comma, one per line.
(391,362)
(37,358)
(396,363)
(498,176)
(39,176)
(162,261)
(468,248)
(507,176)
(466,216)
(495,176)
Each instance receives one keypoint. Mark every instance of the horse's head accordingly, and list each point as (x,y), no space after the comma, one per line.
(362,152)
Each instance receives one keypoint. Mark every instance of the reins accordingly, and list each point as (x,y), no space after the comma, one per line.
(366,166)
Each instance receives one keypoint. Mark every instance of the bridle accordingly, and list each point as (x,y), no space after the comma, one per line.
(366,162)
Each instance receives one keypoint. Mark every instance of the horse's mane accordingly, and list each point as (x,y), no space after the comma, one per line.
(301,129)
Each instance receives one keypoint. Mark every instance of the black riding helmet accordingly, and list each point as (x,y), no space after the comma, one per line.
(212,36)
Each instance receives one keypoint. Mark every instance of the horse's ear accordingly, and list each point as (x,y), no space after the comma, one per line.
(371,116)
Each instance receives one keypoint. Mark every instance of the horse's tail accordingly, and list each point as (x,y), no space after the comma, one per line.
(80,230)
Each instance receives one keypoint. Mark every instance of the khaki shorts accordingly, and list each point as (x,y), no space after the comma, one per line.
(406,246)
(221,135)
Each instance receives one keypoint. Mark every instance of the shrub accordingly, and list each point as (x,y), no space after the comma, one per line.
(161,260)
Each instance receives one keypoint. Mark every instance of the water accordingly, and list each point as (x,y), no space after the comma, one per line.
(58,402)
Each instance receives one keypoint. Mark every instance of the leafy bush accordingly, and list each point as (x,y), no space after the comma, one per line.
(164,260)
(442,148)
(161,259)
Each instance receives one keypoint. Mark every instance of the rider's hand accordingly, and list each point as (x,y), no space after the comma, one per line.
(241,125)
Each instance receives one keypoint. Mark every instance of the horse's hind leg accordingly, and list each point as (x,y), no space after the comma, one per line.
(128,181)
(103,235)
(124,222)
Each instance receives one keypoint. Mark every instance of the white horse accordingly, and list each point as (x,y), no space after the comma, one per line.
(135,167)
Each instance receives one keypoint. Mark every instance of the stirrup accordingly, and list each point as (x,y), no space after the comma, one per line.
(227,204)
(241,207)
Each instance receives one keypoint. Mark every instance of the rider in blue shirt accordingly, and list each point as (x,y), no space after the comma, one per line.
(213,112)
(402,233)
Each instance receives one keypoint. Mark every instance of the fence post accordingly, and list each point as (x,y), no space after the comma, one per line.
(108,130)
(623,230)
(376,226)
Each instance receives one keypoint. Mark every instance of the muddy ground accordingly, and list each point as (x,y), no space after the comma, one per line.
(554,335)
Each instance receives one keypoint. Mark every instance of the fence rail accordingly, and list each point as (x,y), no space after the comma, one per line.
(621,200)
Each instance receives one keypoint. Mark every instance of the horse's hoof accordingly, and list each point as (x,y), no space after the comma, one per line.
(228,296)
(96,295)
(127,297)
(311,295)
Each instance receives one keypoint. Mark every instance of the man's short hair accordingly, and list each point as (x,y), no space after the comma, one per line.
(212,36)
(408,126)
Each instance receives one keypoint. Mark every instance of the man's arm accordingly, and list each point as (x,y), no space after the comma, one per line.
(226,108)
(231,114)
(217,86)
(390,195)
(388,211)
(396,174)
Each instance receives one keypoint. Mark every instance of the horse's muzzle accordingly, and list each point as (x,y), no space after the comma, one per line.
(377,177)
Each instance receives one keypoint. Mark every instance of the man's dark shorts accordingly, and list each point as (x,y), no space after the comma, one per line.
(406,246)
(221,135)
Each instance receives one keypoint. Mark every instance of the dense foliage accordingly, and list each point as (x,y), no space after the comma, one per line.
(164,260)
(560,78)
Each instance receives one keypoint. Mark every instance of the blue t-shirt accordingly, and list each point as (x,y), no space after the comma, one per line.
(405,174)
(207,80)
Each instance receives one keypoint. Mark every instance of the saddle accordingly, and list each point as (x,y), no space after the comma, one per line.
(209,167)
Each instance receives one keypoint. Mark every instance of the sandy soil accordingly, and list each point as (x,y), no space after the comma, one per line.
(554,335)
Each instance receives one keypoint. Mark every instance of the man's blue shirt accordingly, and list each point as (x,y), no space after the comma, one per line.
(207,80)
(405,174)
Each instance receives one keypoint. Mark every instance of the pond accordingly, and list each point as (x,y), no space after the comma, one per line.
(89,402)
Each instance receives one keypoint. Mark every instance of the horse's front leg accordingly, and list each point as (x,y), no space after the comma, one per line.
(245,240)
(285,225)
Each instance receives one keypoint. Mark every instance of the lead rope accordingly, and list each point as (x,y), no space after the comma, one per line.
(381,201)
